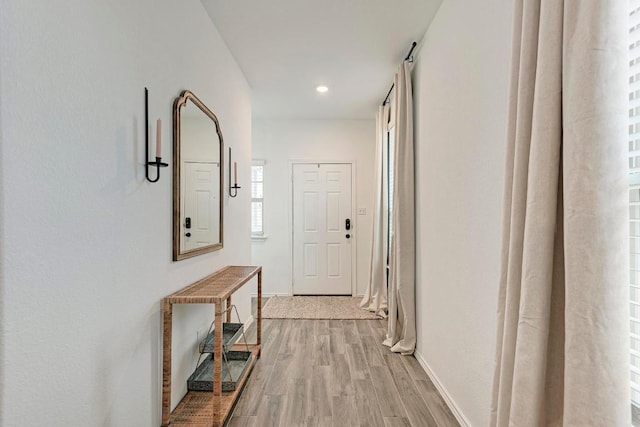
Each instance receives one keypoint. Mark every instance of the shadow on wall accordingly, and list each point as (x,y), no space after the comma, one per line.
(128,176)
(3,322)
(121,393)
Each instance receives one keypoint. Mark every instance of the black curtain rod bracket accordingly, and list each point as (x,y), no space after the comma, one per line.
(407,58)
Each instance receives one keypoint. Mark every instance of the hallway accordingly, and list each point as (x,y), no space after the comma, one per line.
(336,373)
(89,225)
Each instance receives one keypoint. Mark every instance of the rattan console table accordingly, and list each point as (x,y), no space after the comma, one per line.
(201,408)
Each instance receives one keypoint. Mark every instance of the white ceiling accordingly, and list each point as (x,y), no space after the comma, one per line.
(287,47)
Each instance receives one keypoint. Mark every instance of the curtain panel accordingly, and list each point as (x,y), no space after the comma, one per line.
(562,350)
(375,297)
(401,327)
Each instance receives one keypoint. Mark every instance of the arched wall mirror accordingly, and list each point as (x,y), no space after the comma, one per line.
(197,178)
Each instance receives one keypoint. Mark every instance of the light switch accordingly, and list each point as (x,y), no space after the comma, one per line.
(362,211)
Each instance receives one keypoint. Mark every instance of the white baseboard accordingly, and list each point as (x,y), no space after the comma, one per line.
(285,294)
(249,322)
(464,422)
(269,295)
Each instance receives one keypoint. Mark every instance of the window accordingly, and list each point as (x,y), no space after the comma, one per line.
(634,200)
(257,198)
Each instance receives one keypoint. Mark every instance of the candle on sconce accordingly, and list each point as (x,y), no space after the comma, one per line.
(235,173)
(159,138)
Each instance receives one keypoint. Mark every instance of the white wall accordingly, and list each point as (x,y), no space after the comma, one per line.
(199,140)
(85,241)
(280,141)
(461,83)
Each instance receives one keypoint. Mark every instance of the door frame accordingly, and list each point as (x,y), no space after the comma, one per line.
(354,218)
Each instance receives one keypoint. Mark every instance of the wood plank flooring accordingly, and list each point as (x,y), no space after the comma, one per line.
(336,373)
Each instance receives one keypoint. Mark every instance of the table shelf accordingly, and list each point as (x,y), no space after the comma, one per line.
(195,409)
(204,408)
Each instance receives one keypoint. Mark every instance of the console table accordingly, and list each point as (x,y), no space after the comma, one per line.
(201,408)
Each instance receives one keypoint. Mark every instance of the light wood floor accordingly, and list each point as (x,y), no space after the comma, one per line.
(336,373)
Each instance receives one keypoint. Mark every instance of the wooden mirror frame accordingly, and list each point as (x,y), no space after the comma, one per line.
(181,101)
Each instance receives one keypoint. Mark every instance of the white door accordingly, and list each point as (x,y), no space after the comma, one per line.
(201,205)
(321,240)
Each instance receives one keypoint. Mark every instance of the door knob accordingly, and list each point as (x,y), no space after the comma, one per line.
(348,236)
(188,234)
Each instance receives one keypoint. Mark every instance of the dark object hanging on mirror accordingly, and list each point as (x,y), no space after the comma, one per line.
(233,189)
(158,163)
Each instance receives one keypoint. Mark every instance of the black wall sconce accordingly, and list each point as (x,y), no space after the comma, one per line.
(233,189)
(158,163)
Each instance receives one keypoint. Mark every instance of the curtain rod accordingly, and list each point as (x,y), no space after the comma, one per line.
(386,98)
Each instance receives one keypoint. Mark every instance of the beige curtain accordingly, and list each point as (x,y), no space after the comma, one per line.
(563,334)
(375,297)
(401,327)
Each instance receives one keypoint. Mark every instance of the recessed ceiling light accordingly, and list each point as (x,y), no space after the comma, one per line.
(322,89)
